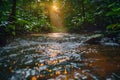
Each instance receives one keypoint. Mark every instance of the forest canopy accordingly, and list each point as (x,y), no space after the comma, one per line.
(25,16)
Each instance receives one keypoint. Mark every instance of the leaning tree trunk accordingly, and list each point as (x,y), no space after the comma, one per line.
(13,11)
(83,9)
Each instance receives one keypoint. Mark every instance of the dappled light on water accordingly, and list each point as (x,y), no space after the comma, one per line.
(34,78)
(58,56)
(56,35)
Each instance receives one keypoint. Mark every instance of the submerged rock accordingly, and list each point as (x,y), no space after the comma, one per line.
(61,77)
(77,75)
(53,58)
(18,77)
(109,42)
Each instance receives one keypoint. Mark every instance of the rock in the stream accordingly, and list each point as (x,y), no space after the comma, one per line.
(99,39)
(27,73)
(42,67)
(108,78)
(28,62)
(61,77)
(84,77)
(109,42)
(75,57)
(94,77)
(17,77)
(94,39)
(77,75)
(33,72)
(116,75)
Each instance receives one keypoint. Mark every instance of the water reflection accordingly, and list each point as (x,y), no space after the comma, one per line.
(67,60)
(33,78)
(57,35)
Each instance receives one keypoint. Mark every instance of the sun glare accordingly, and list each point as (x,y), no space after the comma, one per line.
(56,16)
(54,7)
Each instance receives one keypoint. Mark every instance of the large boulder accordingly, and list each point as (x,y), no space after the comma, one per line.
(94,39)
(103,40)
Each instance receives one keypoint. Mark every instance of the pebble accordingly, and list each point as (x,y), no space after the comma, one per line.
(108,79)
(77,75)
(27,73)
(32,72)
(53,52)
(28,62)
(84,77)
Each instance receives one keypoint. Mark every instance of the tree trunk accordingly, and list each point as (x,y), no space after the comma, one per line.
(13,11)
(0,2)
(83,8)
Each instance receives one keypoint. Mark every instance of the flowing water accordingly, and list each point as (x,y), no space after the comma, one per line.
(58,56)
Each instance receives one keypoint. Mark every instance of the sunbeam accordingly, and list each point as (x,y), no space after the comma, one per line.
(56,16)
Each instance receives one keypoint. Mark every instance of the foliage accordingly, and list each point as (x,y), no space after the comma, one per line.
(10,29)
(94,14)
(33,15)
(113,27)
(29,18)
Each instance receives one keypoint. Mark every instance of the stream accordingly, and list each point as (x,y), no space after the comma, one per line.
(58,56)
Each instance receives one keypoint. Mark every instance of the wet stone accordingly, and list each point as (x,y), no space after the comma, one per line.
(108,78)
(18,77)
(56,56)
(28,62)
